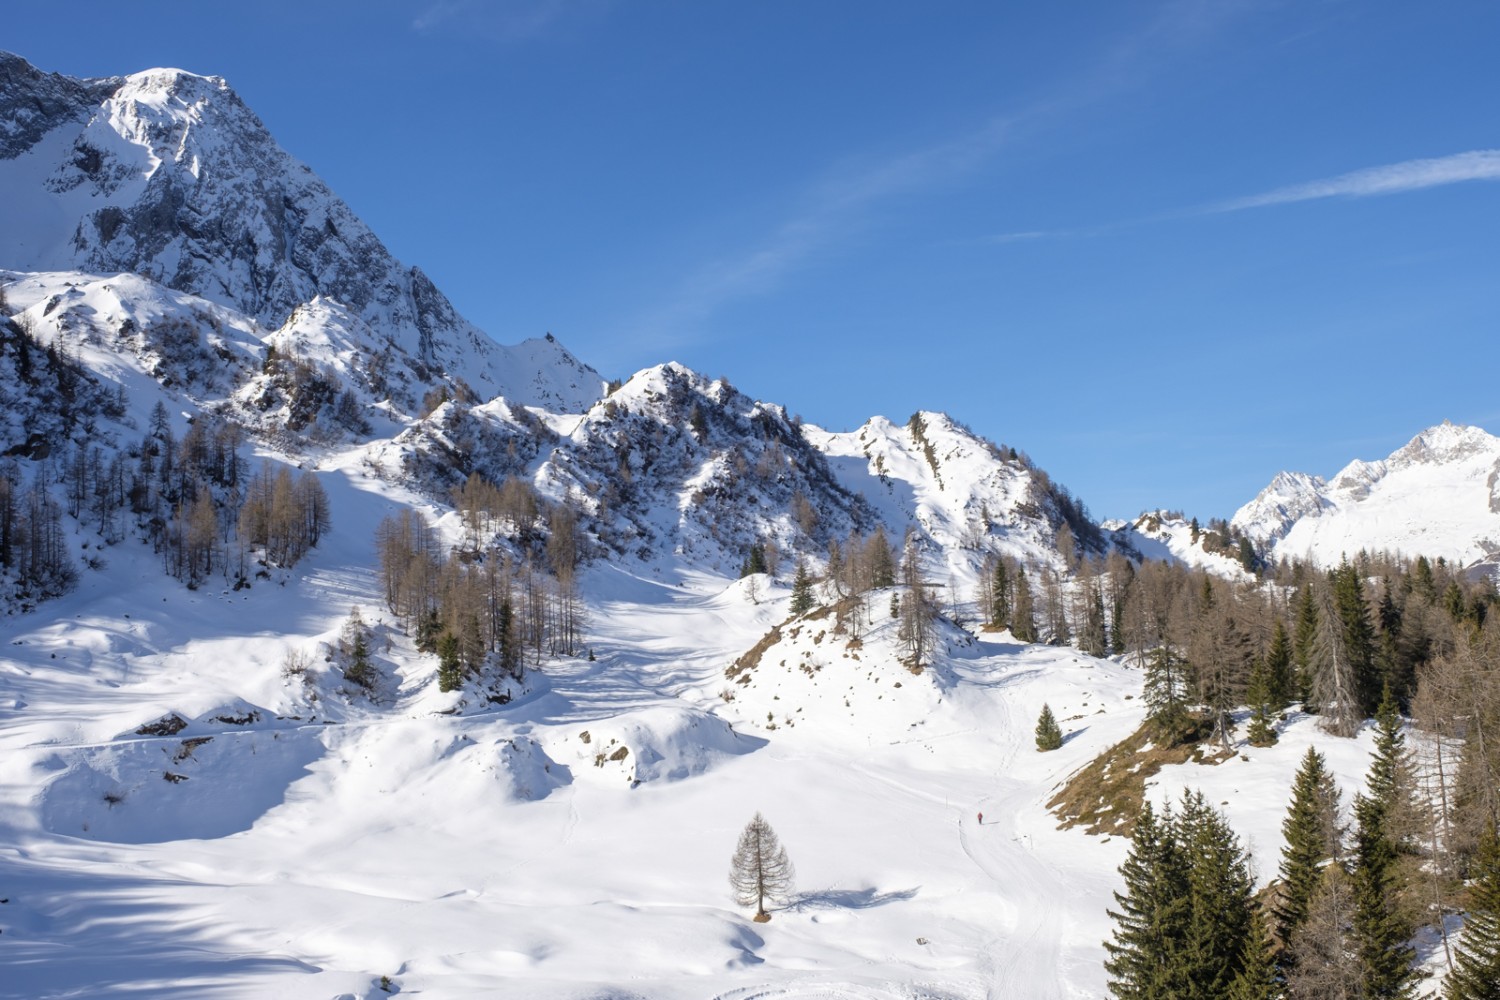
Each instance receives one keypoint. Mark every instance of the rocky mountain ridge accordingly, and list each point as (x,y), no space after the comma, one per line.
(1437,495)
(169,175)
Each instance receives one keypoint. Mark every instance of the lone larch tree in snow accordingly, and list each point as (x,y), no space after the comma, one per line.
(760,871)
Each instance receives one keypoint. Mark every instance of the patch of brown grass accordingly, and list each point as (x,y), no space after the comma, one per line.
(1106,795)
(750,658)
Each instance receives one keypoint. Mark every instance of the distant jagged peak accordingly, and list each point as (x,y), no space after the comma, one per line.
(1292,483)
(1445,442)
(671,392)
(1288,497)
(1436,495)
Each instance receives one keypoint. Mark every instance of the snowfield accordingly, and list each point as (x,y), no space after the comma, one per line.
(572,843)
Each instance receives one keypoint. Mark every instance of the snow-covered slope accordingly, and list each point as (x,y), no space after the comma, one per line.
(168,174)
(1170,537)
(965,495)
(1439,495)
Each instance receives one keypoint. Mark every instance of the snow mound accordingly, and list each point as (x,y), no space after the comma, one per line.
(151,790)
(664,744)
(814,674)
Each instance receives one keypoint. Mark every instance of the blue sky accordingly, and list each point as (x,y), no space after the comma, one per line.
(1168,249)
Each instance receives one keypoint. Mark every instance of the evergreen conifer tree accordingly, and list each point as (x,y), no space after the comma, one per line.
(1186,926)
(355,644)
(1094,639)
(1151,924)
(1283,685)
(1312,835)
(1304,638)
(1219,895)
(755,561)
(882,561)
(1261,731)
(1000,603)
(1381,931)
(1476,967)
(1258,978)
(1393,669)
(1049,735)
(802,595)
(508,639)
(1247,556)
(1359,635)
(450,663)
(1023,611)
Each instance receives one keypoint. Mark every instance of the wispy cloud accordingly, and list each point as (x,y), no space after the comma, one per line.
(1395,178)
(503,21)
(833,209)
(849,197)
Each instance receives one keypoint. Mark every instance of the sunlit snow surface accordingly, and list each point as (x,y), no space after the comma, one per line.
(1438,495)
(504,853)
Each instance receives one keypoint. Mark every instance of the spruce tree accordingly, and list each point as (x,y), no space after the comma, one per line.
(1381,931)
(1000,603)
(1359,635)
(882,562)
(1304,638)
(1261,731)
(1219,898)
(1094,639)
(1048,734)
(450,663)
(1258,978)
(1393,668)
(1023,611)
(1312,835)
(1282,679)
(755,561)
(1476,967)
(355,645)
(802,595)
(508,639)
(1151,924)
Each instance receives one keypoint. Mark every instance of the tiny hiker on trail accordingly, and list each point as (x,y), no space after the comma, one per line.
(981,819)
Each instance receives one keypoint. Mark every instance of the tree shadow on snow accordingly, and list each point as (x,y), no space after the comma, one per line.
(98,934)
(848,899)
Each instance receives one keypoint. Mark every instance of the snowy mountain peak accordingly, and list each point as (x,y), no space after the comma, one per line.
(168,174)
(1438,495)
(1447,442)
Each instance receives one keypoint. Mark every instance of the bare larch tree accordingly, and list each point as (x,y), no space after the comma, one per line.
(760,871)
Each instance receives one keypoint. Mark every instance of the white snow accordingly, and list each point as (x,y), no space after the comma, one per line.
(312,846)
(1435,496)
